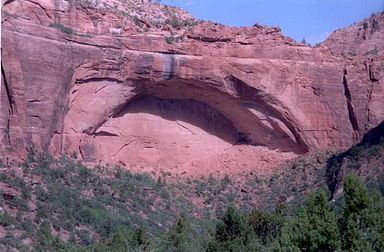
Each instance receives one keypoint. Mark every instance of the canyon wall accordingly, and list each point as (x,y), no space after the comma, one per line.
(140,84)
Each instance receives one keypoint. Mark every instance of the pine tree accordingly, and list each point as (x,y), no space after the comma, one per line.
(141,240)
(118,243)
(231,227)
(233,234)
(362,222)
(266,225)
(314,228)
(178,237)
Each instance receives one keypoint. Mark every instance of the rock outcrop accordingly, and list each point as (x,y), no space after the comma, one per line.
(145,85)
(362,48)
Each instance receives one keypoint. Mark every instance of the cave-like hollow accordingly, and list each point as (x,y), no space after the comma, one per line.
(170,124)
(183,112)
(167,131)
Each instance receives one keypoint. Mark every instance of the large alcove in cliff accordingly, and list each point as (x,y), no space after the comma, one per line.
(196,115)
(152,130)
(174,124)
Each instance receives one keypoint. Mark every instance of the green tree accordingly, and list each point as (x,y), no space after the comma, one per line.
(141,240)
(314,227)
(362,222)
(119,242)
(231,227)
(233,234)
(179,237)
(267,225)
(45,240)
(376,220)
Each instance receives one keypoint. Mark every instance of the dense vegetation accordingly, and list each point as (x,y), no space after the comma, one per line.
(50,204)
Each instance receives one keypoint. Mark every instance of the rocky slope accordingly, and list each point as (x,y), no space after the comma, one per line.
(148,86)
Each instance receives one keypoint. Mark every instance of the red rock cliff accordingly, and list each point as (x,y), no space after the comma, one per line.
(138,83)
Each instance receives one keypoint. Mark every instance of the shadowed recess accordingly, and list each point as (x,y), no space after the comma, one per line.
(189,111)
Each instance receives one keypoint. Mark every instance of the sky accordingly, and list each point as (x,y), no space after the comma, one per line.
(312,20)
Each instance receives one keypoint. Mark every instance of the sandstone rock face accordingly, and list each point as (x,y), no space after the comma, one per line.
(147,86)
(362,47)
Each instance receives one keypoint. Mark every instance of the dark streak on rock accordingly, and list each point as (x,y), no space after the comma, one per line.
(11,103)
(104,133)
(7,90)
(98,79)
(7,2)
(351,111)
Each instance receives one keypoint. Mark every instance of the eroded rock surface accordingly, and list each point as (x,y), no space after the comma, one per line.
(362,47)
(149,87)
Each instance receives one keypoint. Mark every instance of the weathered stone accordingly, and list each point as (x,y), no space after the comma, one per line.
(163,90)
(362,47)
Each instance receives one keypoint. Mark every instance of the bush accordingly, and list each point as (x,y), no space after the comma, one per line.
(19,203)
(174,22)
(6,219)
(61,27)
(138,22)
(170,39)
(374,51)
(45,240)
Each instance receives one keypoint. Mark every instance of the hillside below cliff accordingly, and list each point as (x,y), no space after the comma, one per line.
(151,88)
(58,204)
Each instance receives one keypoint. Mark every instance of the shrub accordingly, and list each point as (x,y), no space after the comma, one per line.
(6,219)
(374,51)
(225,181)
(170,39)
(61,27)
(175,23)
(19,203)
(375,25)
(45,240)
